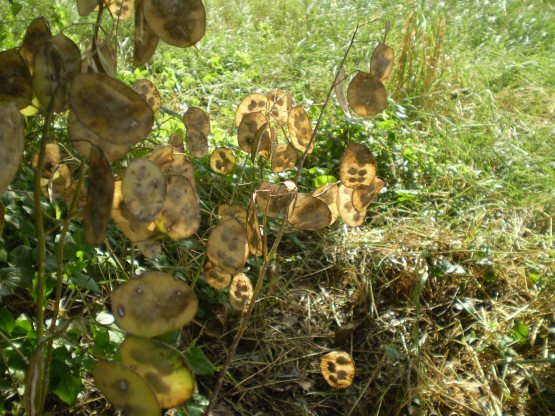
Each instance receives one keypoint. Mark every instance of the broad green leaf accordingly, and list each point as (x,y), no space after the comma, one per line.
(323,179)
(7,323)
(67,389)
(199,362)
(85,281)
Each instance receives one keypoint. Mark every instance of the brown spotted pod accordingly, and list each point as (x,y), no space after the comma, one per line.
(338,369)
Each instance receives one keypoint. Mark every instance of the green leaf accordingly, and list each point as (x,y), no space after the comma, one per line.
(15,8)
(324,179)
(67,389)
(520,332)
(85,281)
(199,362)
(7,323)
(197,405)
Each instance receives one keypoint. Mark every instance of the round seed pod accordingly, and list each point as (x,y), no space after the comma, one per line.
(153,304)
(37,33)
(15,79)
(280,104)
(254,235)
(273,199)
(144,189)
(145,40)
(357,166)
(252,103)
(172,162)
(12,141)
(226,211)
(381,62)
(148,91)
(102,58)
(216,277)
(151,248)
(227,246)
(307,212)
(85,7)
(240,292)
(338,369)
(162,367)
(176,141)
(284,157)
(366,95)
(179,23)
(364,195)
(197,125)
(125,389)
(328,193)
(129,225)
(222,160)
(121,9)
(348,213)
(254,134)
(300,130)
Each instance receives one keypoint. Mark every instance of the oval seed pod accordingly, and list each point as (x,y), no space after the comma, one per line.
(338,369)
(328,193)
(172,162)
(254,131)
(300,130)
(129,225)
(252,103)
(151,248)
(226,211)
(273,199)
(366,95)
(307,212)
(284,157)
(215,276)
(222,160)
(280,104)
(15,79)
(36,34)
(357,166)
(12,142)
(121,9)
(197,125)
(254,235)
(145,40)
(364,195)
(381,62)
(148,91)
(240,292)
(144,189)
(153,304)
(348,213)
(227,246)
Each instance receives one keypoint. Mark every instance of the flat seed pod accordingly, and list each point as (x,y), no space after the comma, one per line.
(151,249)
(162,367)
(121,9)
(153,304)
(366,95)
(273,199)
(180,214)
(51,159)
(240,292)
(126,390)
(129,225)
(171,162)
(280,104)
(252,103)
(222,160)
(148,91)
(83,139)
(357,166)
(59,182)
(85,7)
(102,58)
(329,194)
(226,211)
(176,141)
(99,197)
(36,34)
(381,62)
(79,209)
(300,130)
(254,132)
(227,246)
(216,277)
(254,235)
(12,142)
(364,195)
(338,369)
(55,65)
(340,92)
(110,108)
(307,212)
(348,213)
(15,79)
(144,189)
(284,157)
(145,40)
(197,125)
(179,23)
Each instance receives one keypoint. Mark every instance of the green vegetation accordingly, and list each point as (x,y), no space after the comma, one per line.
(444,298)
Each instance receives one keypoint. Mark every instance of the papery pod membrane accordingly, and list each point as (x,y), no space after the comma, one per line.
(366,95)
(148,91)
(280,104)
(125,389)
(129,225)
(240,292)
(151,249)
(153,304)
(340,92)
(216,277)
(254,133)
(84,139)
(162,367)
(307,212)
(99,197)
(51,159)
(347,211)
(273,199)
(357,166)
(328,193)
(222,160)
(252,103)
(180,214)
(15,79)
(364,195)
(238,212)
(338,369)
(59,182)
(300,130)
(144,189)
(12,142)
(101,58)
(110,109)
(37,33)
(85,7)
(171,162)
(145,40)
(176,141)
(227,246)
(56,63)
(381,62)
(284,157)
(179,23)
(254,235)
(197,125)
(121,9)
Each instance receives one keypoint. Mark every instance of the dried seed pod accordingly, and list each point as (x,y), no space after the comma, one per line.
(101,58)
(144,189)
(59,182)
(364,195)
(163,368)
(145,40)
(357,166)
(273,199)
(85,7)
(148,91)
(227,246)
(110,108)
(254,235)
(15,79)
(151,249)
(328,193)
(381,62)
(280,104)
(171,162)
(99,197)
(366,95)
(348,213)
(284,157)
(216,277)
(307,212)
(338,369)
(179,23)
(121,9)
(51,159)
(226,211)
(36,34)
(240,292)
(254,134)
(252,103)
(153,304)
(222,160)
(129,225)
(340,92)
(197,125)
(176,141)
(126,390)
(300,130)
(12,141)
